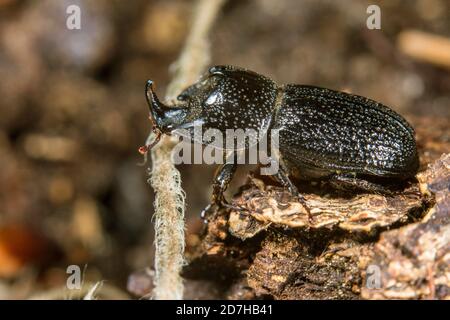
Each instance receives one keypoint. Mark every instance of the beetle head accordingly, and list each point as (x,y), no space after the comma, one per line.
(228,97)
(224,98)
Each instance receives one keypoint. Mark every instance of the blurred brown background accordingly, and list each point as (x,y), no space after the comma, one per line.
(73,111)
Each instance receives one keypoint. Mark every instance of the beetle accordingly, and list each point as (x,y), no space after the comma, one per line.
(325,135)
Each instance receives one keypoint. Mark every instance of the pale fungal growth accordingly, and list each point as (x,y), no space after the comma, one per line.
(165,178)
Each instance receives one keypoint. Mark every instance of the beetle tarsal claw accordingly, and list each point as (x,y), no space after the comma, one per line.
(209,210)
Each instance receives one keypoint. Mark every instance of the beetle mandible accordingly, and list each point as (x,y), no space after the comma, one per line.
(342,138)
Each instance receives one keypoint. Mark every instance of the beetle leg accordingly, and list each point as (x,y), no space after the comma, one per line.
(350,181)
(222,179)
(283,178)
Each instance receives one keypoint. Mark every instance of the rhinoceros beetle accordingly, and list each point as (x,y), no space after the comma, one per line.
(341,138)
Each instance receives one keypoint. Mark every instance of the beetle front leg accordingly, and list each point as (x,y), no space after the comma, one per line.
(222,179)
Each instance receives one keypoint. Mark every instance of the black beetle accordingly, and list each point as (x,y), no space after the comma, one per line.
(323,134)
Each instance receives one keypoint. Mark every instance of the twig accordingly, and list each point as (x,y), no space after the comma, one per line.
(91,295)
(165,178)
(425,47)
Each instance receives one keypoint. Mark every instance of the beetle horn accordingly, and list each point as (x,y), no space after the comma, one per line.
(157,108)
(164,117)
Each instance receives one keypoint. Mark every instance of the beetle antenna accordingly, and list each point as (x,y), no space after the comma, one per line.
(148,146)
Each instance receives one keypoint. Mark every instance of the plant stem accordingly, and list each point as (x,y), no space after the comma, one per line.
(165,178)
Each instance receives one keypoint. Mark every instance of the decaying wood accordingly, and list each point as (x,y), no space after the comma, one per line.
(274,205)
(415,259)
(272,250)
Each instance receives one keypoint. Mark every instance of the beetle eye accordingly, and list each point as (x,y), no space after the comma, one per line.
(213,98)
(182,97)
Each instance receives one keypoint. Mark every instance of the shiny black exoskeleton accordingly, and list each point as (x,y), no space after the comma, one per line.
(323,134)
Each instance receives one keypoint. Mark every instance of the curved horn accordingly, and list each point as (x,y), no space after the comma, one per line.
(164,118)
(157,108)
